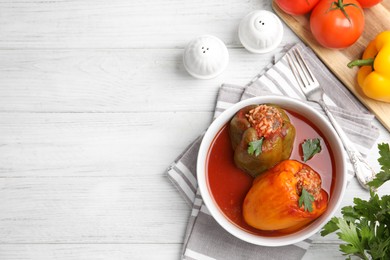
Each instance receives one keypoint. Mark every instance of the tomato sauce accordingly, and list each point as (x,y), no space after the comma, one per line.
(229,185)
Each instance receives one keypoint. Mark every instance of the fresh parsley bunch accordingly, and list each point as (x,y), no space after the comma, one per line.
(365,226)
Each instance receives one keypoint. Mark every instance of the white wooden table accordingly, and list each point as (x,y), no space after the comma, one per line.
(94,105)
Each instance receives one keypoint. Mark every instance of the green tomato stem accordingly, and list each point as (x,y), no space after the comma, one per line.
(341,6)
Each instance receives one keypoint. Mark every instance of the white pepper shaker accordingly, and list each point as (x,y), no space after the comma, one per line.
(205,57)
(260,31)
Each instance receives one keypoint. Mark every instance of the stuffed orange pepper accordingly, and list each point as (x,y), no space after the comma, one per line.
(286,197)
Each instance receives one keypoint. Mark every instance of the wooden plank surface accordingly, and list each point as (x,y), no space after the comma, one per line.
(119,24)
(377,19)
(95,144)
(75,251)
(113,80)
(95,210)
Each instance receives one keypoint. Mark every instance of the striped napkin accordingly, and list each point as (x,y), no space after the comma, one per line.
(204,237)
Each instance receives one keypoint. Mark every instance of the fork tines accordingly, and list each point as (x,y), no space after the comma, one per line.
(300,69)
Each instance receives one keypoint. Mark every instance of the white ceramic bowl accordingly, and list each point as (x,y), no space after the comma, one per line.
(336,146)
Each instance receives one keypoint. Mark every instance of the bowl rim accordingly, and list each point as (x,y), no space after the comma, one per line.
(338,154)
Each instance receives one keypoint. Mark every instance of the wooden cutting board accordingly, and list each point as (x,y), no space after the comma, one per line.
(377,19)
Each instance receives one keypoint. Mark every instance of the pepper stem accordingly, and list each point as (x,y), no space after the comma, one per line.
(365,62)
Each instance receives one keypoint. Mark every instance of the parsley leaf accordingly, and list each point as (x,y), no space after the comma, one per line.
(365,226)
(384,160)
(255,147)
(306,199)
(310,147)
(350,235)
(330,227)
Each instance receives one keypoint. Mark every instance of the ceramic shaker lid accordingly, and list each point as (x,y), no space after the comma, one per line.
(205,57)
(260,31)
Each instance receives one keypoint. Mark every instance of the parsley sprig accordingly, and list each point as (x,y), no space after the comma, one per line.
(306,199)
(365,226)
(310,147)
(255,147)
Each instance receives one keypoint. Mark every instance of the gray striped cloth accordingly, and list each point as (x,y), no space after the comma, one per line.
(204,238)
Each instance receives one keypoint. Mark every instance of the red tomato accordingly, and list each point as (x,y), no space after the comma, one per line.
(296,7)
(332,27)
(368,3)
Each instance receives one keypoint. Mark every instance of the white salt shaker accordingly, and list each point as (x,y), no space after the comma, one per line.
(260,31)
(205,57)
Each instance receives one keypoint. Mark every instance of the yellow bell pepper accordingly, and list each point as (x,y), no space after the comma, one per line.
(374,73)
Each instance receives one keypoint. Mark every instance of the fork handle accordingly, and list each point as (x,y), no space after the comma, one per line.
(364,173)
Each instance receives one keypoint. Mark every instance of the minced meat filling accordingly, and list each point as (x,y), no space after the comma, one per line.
(266,120)
(310,181)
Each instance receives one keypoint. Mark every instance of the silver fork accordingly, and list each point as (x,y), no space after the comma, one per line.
(313,92)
